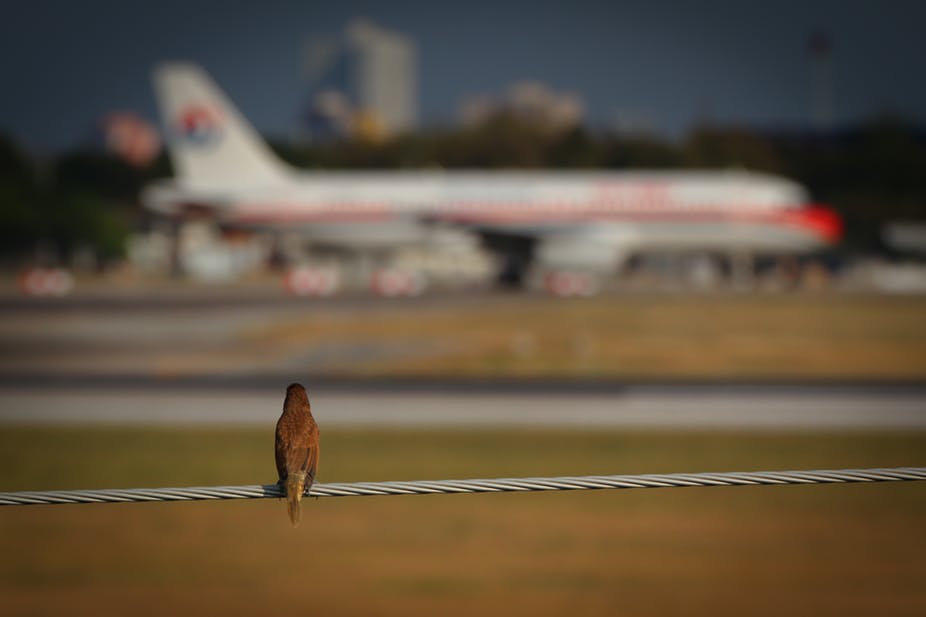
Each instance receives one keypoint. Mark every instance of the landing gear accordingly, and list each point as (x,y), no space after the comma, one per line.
(742,271)
(513,273)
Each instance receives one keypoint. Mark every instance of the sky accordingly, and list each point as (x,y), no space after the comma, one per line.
(666,63)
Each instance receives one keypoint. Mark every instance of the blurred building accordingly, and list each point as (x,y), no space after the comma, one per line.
(530,100)
(365,83)
(331,115)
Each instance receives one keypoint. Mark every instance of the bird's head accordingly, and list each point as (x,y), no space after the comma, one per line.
(296,391)
(294,387)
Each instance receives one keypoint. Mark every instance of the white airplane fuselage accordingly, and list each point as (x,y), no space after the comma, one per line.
(685,210)
(573,220)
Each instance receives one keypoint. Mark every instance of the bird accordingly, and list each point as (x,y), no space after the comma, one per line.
(296,449)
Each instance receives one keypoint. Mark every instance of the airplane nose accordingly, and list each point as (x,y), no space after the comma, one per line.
(822,220)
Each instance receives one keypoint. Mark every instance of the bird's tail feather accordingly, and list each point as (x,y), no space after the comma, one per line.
(295,486)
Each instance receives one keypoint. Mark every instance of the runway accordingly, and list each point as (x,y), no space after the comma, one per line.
(665,407)
(194,356)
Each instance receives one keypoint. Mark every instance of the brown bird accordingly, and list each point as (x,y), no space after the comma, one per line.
(296,448)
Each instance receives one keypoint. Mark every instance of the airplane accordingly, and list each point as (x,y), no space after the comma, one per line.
(572,227)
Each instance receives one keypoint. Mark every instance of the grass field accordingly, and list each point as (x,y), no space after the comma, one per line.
(789,336)
(804,550)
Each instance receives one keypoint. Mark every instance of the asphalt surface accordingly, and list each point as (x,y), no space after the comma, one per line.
(112,358)
(758,407)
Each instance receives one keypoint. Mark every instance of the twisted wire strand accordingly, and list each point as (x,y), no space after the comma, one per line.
(496,485)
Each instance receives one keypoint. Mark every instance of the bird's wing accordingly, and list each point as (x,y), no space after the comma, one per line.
(279,452)
(311,463)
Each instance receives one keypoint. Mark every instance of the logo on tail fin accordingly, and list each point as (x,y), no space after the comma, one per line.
(199,125)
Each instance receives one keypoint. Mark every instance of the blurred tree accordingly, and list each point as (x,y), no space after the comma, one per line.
(503,140)
(15,166)
(20,221)
(160,167)
(79,200)
(82,219)
(888,157)
(872,173)
(100,173)
(636,151)
(715,147)
(574,148)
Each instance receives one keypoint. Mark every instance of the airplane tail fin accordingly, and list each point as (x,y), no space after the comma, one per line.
(211,144)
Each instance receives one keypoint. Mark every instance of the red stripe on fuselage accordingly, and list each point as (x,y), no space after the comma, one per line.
(820,220)
(346,213)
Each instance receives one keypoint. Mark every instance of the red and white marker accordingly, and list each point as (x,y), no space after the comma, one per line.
(391,283)
(46,282)
(314,282)
(571,284)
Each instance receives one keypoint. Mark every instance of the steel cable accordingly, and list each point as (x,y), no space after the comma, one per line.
(496,485)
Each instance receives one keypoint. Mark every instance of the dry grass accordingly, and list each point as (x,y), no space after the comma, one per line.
(823,550)
(800,336)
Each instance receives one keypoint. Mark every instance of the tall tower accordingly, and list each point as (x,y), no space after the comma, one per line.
(384,71)
(376,72)
(820,48)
